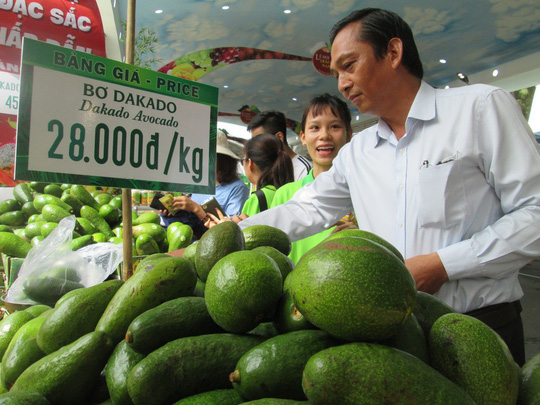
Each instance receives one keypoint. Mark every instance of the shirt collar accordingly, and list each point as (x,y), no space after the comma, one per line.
(422,108)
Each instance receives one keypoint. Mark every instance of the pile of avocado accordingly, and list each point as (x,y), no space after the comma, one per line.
(36,209)
(233,321)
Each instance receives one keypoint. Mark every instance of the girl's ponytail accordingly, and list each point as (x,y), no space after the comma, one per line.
(268,153)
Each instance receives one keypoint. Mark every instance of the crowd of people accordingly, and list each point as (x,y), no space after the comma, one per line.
(448,176)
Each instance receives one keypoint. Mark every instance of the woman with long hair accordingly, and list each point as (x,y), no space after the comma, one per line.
(268,166)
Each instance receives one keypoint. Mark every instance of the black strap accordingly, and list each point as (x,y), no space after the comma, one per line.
(263,205)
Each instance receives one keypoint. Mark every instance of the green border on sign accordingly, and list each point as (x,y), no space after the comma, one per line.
(52,57)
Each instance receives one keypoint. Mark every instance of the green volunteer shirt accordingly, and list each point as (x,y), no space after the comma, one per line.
(284,194)
(251,206)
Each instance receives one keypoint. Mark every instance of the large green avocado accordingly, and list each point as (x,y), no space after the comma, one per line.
(473,356)
(373,374)
(353,288)
(360,233)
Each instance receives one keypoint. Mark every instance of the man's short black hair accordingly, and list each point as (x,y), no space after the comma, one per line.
(271,121)
(377,28)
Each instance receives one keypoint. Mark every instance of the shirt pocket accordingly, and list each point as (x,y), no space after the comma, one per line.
(441,195)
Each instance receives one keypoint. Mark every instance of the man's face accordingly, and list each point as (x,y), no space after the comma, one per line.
(362,79)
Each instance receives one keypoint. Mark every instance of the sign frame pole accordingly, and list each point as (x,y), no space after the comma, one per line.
(127,268)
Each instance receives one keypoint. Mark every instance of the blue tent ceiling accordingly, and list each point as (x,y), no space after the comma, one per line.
(472,36)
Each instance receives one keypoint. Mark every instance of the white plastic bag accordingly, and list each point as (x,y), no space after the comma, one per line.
(53,259)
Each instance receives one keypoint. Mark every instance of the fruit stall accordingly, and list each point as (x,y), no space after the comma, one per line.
(232,320)
(101,304)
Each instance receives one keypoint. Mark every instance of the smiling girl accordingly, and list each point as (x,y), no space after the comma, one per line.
(326,127)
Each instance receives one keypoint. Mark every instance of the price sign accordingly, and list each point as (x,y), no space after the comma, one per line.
(85,119)
(9,93)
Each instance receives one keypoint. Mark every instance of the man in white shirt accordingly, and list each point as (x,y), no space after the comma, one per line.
(450,177)
(274,122)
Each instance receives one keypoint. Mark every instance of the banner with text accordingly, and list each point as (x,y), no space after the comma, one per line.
(85,119)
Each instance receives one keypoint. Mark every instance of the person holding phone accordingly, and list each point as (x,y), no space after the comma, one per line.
(231,192)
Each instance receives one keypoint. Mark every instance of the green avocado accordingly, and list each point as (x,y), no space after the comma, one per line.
(9,204)
(472,355)
(154,282)
(368,235)
(76,315)
(427,309)
(148,217)
(22,193)
(265,235)
(373,374)
(353,288)
(23,398)
(187,366)
(117,369)
(284,262)
(68,376)
(529,389)
(44,199)
(146,245)
(287,317)
(226,396)
(47,290)
(410,338)
(22,351)
(53,189)
(216,243)
(176,318)
(255,374)
(10,325)
(13,245)
(13,218)
(242,290)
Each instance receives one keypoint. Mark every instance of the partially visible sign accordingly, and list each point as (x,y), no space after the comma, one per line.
(60,22)
(89,120)
(9,93)
(321,61)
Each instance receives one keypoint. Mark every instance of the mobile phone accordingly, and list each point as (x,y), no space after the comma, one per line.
(156,203)
(211,206)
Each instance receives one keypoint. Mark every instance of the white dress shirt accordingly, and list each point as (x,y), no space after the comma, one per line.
(464,181)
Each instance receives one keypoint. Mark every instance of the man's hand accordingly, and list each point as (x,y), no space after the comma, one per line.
(428,272)
(343,225)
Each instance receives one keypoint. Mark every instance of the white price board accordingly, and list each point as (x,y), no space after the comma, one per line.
(85,119)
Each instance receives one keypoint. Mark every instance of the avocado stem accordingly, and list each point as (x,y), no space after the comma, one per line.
(234,377)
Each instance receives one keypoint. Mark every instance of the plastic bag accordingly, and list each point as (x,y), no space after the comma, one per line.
(51,268)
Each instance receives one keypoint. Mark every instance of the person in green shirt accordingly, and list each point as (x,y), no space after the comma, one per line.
(326,127)
(268,166)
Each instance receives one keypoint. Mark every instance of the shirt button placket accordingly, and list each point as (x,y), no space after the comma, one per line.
(401,197)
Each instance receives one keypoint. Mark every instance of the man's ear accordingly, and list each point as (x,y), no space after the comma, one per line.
(395,52)
(280,135)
